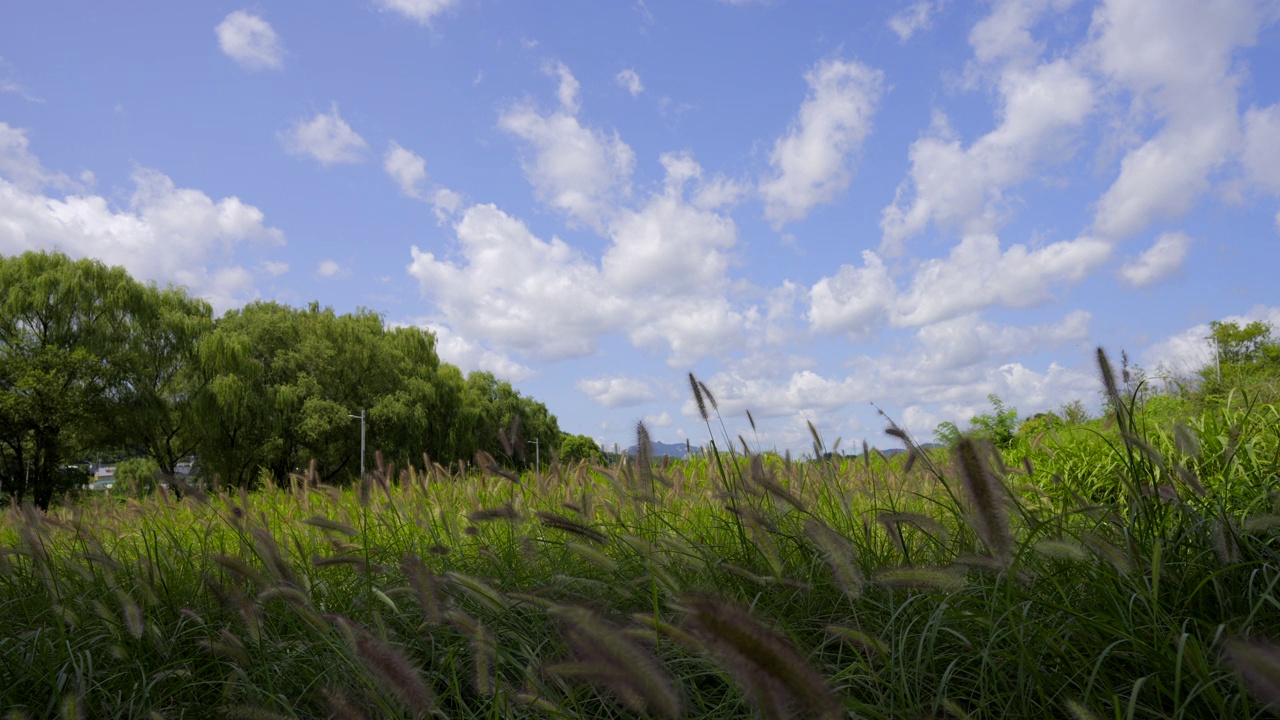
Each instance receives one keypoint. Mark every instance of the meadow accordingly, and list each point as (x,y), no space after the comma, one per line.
(1124,568)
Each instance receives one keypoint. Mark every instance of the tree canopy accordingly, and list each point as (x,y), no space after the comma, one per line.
(93,362)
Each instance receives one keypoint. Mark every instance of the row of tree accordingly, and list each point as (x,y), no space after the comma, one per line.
(93,362)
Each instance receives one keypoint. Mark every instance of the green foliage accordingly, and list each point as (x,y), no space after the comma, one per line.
(999,426)
(137,475)
(1127,570)
(92,361)
(1074,413)
(580,448)
(65,329)
(1245,357)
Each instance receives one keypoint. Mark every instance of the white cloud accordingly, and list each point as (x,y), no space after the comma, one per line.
(1261,152)
(275,269)
(165,233)
(468,356)
(250,41)
(612,392)
(1158,261)
(407,168)
(811,162)
(661,282)
(331,269)
(662,419)
(1176,59)
(576,169)
(9,85)
(916,17)
(968,340)
(18,165)
(1005,34)
(978,274)
(515,290)
(326,137)
(958,187)
(1189,350)
(630,80)
(420,11)
(854,300)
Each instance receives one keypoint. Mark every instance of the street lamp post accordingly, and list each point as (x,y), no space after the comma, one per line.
(537,454)
(361,417)
(1217,356)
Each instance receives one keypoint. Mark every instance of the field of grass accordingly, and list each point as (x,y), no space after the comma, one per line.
(1123,569)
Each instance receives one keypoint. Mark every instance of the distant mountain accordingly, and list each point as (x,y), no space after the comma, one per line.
(661,448)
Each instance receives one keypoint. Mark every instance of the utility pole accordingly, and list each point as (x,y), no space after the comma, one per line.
(1217,356)
(537,455)
(361,418)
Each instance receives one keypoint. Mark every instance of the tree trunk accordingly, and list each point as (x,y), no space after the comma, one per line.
(46,461)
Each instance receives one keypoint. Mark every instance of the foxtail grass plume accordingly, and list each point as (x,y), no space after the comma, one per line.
(340,708)
(330,525)
(928,579)
(711,399)
(604,656)
(987,516)
(838,553)
(556,521)
(766,665)
(698,399)
(491,466)
(869,645)
(644,453)
(396,674)
(1258,662)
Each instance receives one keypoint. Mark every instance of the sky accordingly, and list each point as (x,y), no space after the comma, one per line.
(819,208)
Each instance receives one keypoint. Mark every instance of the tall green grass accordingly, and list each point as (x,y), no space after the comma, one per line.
(1124,571)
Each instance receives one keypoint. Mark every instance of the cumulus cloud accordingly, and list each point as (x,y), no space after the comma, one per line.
(164,233)
(661,282)
(573,168)
(1176,60)
(469,355)
(10,85)
(612,392)
(964,187)
(1261,152)
(977,274)
(811,161)
(1158,261)
(326,137)
(275,269)
(331,269)
(19,166)
(1190,349)
(630,80)
(969,340)
(407,168)
(419,11)
(916,17)
(855,300)
(250,41)
(662,419)
(514,289)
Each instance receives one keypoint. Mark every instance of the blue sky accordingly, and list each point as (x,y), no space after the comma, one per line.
(813,206)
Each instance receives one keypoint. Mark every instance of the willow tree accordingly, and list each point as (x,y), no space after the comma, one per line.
(281,385)
(61,325)
(158,402)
